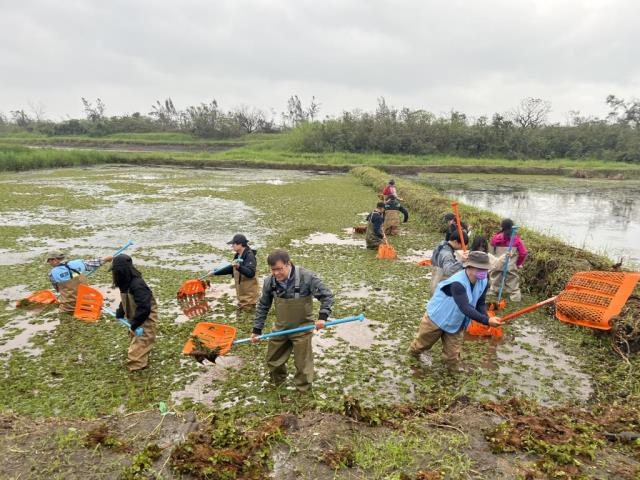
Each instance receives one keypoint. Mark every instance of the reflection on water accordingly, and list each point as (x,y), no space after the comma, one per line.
(602,220)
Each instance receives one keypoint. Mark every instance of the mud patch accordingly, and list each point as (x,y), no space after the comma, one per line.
(319,238)
(203,389)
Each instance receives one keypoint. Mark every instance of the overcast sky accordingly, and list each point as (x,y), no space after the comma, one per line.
(476,56)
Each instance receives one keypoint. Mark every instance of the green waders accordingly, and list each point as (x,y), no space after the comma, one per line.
(372,240)
(292,313)
(139,348)
(69,293)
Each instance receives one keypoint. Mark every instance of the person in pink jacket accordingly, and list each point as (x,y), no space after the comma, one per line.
(499,246)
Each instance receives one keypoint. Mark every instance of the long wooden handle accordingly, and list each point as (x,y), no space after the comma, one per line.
(528,309)
(455,211)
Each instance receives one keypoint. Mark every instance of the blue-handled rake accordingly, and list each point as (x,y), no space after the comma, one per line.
(505,269)
(212,340)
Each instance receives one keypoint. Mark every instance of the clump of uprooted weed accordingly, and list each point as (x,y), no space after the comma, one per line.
(566,438)
(141,465)
(221,450)
(339,457)
(423,475)
(626,327)
(100,435)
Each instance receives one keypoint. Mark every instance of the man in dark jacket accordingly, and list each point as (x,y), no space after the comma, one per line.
(292,289)
(243,269)
(375,233)
(392,210)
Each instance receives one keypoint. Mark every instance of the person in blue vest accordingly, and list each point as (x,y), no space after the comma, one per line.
(65,276)
(457,300)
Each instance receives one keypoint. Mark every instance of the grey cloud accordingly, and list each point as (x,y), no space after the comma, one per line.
(478,57)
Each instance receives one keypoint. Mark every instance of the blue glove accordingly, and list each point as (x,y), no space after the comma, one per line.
(139,331)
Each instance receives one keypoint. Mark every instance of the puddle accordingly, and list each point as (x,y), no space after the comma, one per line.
(202,389)
(319,238)
(536,366)
(17,292)
(365,292)
(26,329)
(414,256)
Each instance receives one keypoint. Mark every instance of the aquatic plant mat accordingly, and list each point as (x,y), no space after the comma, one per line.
(374,412)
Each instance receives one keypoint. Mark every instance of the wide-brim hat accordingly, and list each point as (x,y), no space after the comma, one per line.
(55,255)
(478,260)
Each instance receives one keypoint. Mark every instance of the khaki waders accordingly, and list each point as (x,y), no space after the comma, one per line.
(429,333)
(372,240)
(139,348)
(511,282)
(292,313)
(391,223)
(69,293)
(247,290)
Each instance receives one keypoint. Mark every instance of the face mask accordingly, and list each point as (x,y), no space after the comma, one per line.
(481,274)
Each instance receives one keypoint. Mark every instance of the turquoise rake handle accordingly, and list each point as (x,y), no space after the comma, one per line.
(116,253)
(217,269)
(139,331)
(514,230)
(302,329)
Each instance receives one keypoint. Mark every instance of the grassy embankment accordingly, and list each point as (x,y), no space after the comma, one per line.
(269,150)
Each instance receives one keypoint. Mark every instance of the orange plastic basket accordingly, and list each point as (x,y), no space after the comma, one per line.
(88,304)
(386,251)
(45,297)
(212,335)
(590,299)
(191,287)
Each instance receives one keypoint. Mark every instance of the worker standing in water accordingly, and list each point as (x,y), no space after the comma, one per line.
(243,268)
(65,276)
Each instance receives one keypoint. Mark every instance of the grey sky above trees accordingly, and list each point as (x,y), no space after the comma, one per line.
(478,57)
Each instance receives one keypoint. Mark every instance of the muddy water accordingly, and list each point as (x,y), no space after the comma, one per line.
(203,388)
(600,215)
(320,238)
(164,209)
(17,334)
(531,364)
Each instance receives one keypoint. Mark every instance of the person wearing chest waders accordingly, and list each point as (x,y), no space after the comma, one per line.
(500,246)
(458,300)
(443,259)
(392,211)
(243,269)
(375,233)
(292,289)
(139,307)
(66,276)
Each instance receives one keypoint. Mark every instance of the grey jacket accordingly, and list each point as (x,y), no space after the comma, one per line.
(444,258)
(310,284)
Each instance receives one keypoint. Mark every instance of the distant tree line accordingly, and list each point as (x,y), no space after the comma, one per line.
(520,133)
(523,132)
(206,120)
